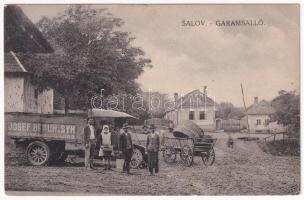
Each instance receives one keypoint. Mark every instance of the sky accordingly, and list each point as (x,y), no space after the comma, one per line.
(265,59)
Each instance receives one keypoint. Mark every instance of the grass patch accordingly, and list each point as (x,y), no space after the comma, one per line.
(281,147)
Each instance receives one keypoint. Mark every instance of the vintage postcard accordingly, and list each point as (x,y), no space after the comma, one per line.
(152,99)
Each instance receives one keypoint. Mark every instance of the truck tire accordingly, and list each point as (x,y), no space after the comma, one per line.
(38,153)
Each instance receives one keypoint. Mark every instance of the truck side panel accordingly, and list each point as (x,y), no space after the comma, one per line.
(68,128)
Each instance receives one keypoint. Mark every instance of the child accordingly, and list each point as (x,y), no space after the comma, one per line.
(106,147)
(230,141)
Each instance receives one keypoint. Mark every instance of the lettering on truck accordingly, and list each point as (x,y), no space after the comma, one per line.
(61,131)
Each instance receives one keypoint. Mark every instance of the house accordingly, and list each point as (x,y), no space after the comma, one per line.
(258,118)
(20,94)
(22,36)
(195,106)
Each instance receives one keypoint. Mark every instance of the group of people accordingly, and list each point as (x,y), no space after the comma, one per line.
(105,138)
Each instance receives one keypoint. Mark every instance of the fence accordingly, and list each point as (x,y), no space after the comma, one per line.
(159,122)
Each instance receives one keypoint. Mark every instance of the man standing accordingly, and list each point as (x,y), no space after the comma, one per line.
(89,142)
(145,130)
(152,147)
(126,147)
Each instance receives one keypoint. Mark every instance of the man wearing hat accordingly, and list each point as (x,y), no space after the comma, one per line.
(153,143)
(126,147)
(145,130)
(89,143)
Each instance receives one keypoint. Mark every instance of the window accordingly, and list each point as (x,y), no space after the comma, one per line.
(267,121)
(36,93)
(191,115)
(258,122)
(202,115)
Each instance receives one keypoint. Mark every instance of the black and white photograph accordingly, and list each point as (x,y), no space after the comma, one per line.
(151,99)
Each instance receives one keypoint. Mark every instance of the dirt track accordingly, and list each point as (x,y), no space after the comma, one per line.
(243,170)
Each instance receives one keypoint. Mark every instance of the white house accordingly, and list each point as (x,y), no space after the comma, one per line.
(258,119)
(195,106)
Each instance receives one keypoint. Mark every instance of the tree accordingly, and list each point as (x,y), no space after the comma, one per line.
(227,110)
(91,53)
(287,110)
(156,103)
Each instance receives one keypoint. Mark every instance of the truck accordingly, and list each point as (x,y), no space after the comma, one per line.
(50,138)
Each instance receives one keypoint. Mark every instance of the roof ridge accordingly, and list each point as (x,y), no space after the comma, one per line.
(262,107)
(18,61)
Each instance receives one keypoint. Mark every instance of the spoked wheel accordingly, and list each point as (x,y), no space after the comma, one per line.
(169,154)
(137,159)
(208,157)
(187,155)
(38,153)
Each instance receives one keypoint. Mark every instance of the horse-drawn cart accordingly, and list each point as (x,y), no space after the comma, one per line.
(189,140)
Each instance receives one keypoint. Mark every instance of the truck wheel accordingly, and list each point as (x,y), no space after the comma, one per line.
(137,159)
(38,153)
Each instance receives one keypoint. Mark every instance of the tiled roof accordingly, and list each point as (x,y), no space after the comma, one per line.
(261,108)
(20,34)
(12,63)
(194,99)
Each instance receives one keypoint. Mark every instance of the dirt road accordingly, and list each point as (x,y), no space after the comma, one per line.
(243,170)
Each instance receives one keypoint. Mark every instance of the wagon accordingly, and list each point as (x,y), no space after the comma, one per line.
(189,140)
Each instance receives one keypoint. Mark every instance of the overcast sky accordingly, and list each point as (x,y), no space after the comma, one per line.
(265,59)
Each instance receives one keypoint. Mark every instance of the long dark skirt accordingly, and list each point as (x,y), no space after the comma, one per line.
(153,161)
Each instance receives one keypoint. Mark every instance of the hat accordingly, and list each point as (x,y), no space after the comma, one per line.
(125,126)
(152,126)
(90,118)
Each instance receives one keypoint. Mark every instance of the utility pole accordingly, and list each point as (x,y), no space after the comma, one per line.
(245,109)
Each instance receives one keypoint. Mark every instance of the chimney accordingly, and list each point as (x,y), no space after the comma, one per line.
(205,90)
(175,97)
(256,100)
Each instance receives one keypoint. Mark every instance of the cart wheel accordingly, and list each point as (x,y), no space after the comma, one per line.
(209,157)
(137,159)
(187,155)
(38,153)
(169,154)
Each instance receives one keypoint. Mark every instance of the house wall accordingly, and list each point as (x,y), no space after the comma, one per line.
(20,96)
(273,126)
(13,94)
(253,127)
(30,102)
(183,114)
(243,122)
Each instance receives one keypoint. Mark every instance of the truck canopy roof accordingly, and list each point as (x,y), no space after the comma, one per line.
(95,112)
